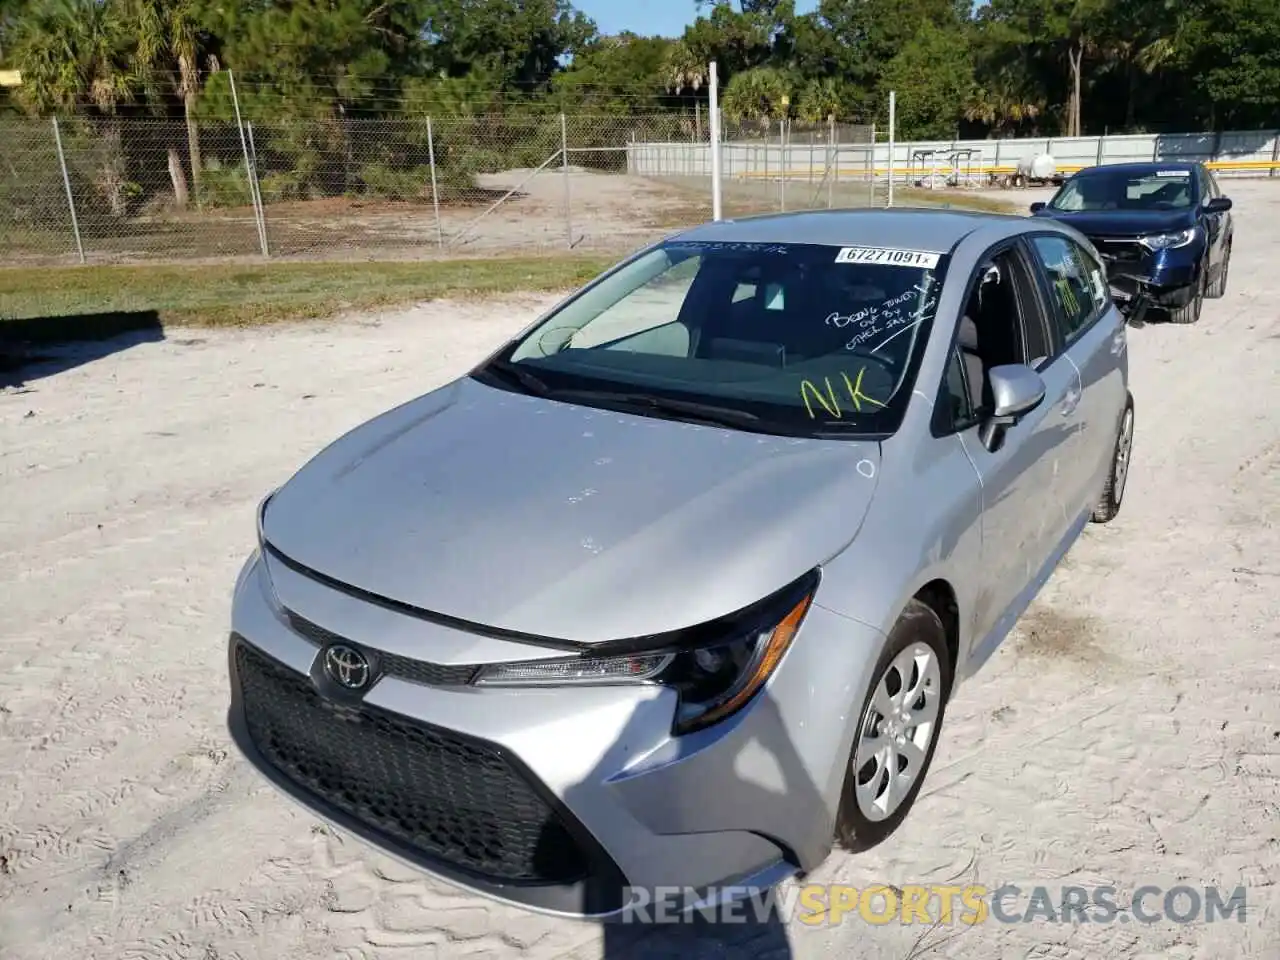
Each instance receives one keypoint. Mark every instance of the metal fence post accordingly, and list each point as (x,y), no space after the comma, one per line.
(244,146)
(66,182)
(834,163)
(893,106)
(435,193)
(713,82)
(1275,153)
(564,167)
(871,169)
(810,148)
(257,190)
(782,165)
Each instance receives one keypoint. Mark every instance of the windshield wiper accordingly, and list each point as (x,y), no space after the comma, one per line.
(513,372)
(689,409)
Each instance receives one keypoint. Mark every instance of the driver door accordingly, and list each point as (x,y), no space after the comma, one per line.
(1019,467)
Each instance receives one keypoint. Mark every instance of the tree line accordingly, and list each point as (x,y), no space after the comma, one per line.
(995,68)
(1000,67)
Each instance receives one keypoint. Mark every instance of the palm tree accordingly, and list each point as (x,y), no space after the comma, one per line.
(684,70)
(818,100)
(756,94)
(998,108)
(169,36)
(75,55)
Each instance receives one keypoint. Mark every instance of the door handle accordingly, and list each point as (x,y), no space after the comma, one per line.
(1070,401)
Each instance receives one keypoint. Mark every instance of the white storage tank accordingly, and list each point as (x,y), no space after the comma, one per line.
(1042,166)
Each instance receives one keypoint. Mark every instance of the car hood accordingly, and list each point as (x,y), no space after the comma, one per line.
(1123,223)
(527,514)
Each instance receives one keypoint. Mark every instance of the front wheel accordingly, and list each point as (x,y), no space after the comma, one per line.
(1190,311)
(1218,288)
(898,730)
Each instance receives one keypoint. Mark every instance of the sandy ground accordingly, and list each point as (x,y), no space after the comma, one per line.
(1129,733)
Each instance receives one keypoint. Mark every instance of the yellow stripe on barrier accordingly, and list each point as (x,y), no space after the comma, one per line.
(977,169)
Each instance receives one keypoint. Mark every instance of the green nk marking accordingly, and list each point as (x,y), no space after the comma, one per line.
(1066,295)
(829,402)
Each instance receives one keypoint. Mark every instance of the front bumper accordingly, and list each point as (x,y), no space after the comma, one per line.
(562,800)
(1165,278)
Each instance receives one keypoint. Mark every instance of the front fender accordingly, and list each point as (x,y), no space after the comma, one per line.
(923,526)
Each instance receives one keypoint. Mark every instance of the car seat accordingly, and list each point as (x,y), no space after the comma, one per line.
(975,374)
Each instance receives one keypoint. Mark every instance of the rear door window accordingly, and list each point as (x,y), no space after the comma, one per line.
(1078,291)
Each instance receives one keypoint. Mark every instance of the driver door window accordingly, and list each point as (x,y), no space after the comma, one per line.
(1000,325)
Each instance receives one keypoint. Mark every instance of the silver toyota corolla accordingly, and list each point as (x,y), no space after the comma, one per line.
(673,588)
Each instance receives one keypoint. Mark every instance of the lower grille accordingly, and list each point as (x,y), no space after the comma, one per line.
(452,798)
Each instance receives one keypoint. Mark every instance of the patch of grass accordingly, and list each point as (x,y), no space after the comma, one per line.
(246,295)
(956,199)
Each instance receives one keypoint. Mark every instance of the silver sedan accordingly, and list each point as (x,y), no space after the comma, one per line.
(673,589)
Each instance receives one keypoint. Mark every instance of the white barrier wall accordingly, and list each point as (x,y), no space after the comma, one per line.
(757,159)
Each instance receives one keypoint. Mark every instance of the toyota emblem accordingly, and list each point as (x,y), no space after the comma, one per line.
(347,667)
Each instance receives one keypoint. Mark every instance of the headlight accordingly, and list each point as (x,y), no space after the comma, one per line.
(714,676)
(1168,241)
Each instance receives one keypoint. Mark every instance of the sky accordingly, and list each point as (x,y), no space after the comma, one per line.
(666,18)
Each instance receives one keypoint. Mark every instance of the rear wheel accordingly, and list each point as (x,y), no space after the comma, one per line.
(898,729)
(1190,311)
(1218,288)
(1113,490)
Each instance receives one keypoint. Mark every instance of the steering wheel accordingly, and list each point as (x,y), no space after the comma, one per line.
(879,359)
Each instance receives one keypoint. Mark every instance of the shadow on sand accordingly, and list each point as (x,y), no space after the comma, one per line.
(35,347)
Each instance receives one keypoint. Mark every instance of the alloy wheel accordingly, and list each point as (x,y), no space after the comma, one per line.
(1124,445)
(897,731)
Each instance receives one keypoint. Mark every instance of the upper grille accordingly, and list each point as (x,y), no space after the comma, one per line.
(452,798)
(1120,251)
(394,665)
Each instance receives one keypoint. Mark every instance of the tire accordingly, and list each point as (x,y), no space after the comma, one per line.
(1190,311)
(1218,288)
(1108,504)
(917,637)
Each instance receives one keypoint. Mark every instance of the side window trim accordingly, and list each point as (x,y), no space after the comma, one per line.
(1030,286)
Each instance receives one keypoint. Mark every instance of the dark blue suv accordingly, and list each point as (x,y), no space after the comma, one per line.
(1163,229)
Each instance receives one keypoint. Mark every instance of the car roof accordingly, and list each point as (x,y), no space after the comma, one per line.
(1143,166)
(916,228)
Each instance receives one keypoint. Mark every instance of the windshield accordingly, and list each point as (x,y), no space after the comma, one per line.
(1115,190)
(783,338)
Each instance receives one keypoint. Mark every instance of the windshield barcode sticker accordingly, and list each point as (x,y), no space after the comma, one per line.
(1173,173)
(888,256)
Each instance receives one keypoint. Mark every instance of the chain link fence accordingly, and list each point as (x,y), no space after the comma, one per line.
(129,189)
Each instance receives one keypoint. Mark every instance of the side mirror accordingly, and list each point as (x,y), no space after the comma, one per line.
(1218,205)
(1038,206)
(1016,389)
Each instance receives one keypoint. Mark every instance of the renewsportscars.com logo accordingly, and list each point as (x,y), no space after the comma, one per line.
(833,904)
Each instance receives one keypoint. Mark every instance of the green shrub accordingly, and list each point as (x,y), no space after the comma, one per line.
(381,180)
(280,186)
(224,185)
